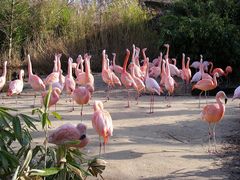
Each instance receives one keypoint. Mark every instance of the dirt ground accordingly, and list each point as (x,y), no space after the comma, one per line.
(171,143)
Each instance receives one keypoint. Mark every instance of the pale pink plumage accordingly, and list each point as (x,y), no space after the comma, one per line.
(102,122)
(68,132)
(16,86)
(54,97)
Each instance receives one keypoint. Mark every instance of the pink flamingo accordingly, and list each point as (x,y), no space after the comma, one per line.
(79,63)
(35,81)
(116,68)
(213,113)
(16,86)
(206,85)
(69,81)
(152,86)
(140,84)
(102,123)
(126,78)
(54,76)
(220,71)
(169,82)
(54,98)
(67,133)
(3,77)
(107,75)
(81,95)
(156,70)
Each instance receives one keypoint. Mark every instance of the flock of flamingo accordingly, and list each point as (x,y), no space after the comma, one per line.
(142,78)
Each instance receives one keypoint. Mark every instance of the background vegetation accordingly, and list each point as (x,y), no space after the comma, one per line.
(43,28)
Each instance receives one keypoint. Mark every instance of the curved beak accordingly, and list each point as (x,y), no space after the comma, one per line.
(225,100)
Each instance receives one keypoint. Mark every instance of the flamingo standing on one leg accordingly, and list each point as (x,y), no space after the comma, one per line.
(102,123)
(81,95)
(16,86)
(35,81)
(213,113)
(206,85)
(126,78)
(3,77)
(69,132)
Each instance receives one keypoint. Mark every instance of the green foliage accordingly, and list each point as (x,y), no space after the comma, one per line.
(13,128)
(199,27)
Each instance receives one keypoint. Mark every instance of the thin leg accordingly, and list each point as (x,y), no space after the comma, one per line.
(153,104)
(81,112)
(128,99)
(209,137)
(100,145)
(199,98)
(35,95)
(214,138)
(150,104)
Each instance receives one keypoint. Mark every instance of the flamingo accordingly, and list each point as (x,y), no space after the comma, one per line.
(69,81)
(81,95)
(126,78)
(206,85)
(169,82)
(79,63)
(116,68)
(236,94)
(54,98)
(102,123)
(68,132)
(152,86)
(220,71)
(107,74)
(213,113)
(16,86)
(140,84)
(156,70)
(54,76)
(55,67)
(34,80)
(3,77)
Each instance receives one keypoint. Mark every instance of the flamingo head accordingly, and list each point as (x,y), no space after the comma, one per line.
(222,95)
(79,59)
(228,69)
(166,45)
(83,134)
(98,105)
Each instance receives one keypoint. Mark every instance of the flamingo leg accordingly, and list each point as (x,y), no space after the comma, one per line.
(100,145)
(209,137)
(128,99)
(35,95)
(81,112)
(153,104)
(150,105)
(214,138)
(199,98)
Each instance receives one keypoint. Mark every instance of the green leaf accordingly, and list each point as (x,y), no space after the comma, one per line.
(45,172)
(7,109)
(56,115)
(45,120)
(17,129)
(47,98)
(28,120)
(38,110)
(8,158)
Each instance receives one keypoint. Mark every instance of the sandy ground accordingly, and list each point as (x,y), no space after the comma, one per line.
(171,143)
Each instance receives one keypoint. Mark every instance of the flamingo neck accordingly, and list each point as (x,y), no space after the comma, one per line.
(183,62)
(103,62)
(211,69)
(215,80)
(167,53)
(29,66)
(125,61)
(69,68)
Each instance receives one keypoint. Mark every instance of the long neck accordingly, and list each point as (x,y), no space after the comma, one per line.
(29,66)
(221,105)
(114,60)
(87,67)
(103,61)
(167,53)
(5,69)
(201,68)
(163,68)
(147,69)
(215,80)
(183,62)
(174,62)
(167,68)
(188,61)
(21,75)
(133,54)
(210,72)
(69,68)
(126,61)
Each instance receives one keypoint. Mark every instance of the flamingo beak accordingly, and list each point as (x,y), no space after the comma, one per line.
(82,137)
(225,100)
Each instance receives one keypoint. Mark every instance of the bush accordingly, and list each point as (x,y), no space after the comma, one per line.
(210,28)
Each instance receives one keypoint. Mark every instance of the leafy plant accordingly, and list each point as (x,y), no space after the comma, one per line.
(15,139)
